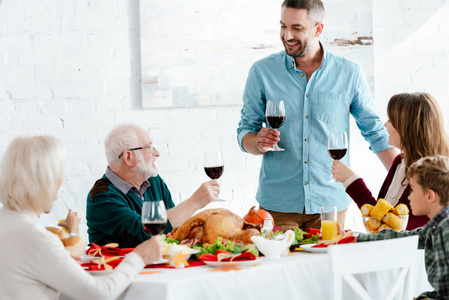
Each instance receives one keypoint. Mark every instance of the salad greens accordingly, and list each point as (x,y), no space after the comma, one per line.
(169,240)
(225,245)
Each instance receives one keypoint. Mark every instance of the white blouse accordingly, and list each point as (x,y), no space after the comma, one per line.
(35,265)
(396,188)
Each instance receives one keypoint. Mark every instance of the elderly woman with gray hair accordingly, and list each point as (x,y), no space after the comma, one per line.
(35,264)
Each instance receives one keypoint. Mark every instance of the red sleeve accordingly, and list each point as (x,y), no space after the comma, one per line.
(360,193)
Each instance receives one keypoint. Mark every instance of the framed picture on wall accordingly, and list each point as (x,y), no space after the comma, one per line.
(198,53)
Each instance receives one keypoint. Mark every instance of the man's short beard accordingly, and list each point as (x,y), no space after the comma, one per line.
(147,169)
(301,53)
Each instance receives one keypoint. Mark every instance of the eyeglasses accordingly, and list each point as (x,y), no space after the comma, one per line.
(151,147)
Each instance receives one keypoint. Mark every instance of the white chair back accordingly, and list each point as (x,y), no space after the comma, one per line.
(358,258)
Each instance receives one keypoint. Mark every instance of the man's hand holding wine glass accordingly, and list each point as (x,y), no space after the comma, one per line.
(275,117)
(266,139)
(206,193)
(214,168)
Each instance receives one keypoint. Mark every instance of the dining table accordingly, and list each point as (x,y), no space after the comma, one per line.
(299,275)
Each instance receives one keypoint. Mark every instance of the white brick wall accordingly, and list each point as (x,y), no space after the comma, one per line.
(72,69)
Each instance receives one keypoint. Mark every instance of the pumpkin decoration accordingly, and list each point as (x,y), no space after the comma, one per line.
(257,216)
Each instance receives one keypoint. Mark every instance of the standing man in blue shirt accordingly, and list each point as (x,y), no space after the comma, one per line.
(320,90)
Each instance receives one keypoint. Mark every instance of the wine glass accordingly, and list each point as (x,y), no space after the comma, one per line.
(337,145)
(275,116)
(214,165)
(154,216)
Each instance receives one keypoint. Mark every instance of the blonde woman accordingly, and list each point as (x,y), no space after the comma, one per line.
(35,264)
(416,127)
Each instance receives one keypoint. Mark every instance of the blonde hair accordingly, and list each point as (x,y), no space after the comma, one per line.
(432,173)
(419,121)
(31,170)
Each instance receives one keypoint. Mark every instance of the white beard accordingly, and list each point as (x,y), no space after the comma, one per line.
(146,169)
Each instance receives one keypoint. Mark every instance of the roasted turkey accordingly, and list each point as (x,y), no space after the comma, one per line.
(207,226)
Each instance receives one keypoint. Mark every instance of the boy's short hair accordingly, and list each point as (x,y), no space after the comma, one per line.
(432,173)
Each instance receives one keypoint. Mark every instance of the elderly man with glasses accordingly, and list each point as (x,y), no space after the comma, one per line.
(115,201)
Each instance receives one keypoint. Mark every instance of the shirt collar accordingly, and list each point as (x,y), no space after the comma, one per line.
(124,186)
(443,214)
(291,63)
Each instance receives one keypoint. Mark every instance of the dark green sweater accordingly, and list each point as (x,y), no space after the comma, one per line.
(115,217)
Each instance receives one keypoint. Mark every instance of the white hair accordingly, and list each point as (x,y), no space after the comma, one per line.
(31,171)
(121,138)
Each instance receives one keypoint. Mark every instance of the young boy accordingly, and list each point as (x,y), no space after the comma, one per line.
(429,195)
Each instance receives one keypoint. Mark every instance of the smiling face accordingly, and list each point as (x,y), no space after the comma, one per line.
(298,31)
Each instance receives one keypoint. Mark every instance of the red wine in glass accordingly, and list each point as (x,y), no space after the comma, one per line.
(337,154)
(275,116)
(214,172)
(275,121)
(154,216)
(214,165)
(337,145)
(154,228)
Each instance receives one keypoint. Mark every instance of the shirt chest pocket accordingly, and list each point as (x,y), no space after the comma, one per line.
(329,108)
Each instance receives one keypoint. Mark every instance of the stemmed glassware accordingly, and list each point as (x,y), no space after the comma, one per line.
(275,116)
(154,216)
(214,165)
(337,145)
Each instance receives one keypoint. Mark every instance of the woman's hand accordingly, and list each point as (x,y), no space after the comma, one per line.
(341,171)
(72,222)
(150,250)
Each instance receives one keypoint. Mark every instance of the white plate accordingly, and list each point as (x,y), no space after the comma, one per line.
(231,264)
(308,248)
(192,251)
(162,261)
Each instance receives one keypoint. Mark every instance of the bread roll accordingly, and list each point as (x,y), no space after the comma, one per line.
(59,232)
(73,241)
(75,245)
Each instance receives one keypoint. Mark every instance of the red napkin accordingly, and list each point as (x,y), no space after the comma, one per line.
(100,264)
(321,245)
(96,250)
(237,257)
(346,240)
(243,256)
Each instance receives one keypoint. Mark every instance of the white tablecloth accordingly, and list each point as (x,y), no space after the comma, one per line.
(300,276)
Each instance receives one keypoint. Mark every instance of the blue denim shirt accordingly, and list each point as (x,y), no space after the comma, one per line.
(297,178)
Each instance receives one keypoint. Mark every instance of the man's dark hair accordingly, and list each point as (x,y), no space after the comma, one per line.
(314,7)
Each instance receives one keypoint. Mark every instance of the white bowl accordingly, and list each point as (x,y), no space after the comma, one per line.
(273,249)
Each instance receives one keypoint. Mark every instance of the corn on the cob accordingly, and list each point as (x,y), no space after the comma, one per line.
(393,221)
(381,209)
(384,226)
(372,224)
(400,210)
(366,209)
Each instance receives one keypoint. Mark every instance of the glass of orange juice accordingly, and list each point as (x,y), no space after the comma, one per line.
(329,224)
